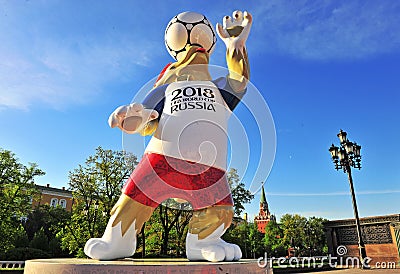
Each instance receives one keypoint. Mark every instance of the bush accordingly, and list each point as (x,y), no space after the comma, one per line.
(21,238)
(40,240)
(24,253)
(55,249)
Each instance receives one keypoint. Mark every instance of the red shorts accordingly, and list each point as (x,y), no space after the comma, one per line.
(158,177)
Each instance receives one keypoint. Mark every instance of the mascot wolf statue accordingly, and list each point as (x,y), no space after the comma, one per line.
(187,113)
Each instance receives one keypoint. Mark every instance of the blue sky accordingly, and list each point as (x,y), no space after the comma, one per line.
(319,65)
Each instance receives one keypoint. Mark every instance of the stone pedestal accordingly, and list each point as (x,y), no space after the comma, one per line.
(133,266)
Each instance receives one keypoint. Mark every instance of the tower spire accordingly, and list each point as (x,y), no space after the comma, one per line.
(264,215)
(263,199)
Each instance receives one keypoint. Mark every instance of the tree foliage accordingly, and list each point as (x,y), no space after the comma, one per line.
(238,234)
(315,236)
(96,187)
(48,218)
(20,237)
(294,227)
(76,232)
(240,194)
(40,240)
(257,246)
(181,229)
(273,239)
(153,235)
(101,178)
(306,236)
(17,189)
(49,221)
(247,237)
(168,217)
(166,230)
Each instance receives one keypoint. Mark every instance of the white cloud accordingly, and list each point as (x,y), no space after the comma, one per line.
(60,65)
(61,72)
(325,30)
(61,54)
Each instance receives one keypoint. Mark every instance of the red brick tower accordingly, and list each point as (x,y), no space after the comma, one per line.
(264,215)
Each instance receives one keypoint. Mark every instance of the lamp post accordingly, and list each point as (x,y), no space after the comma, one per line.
(345,157)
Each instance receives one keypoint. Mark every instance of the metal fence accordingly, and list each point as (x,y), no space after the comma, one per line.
(12,264)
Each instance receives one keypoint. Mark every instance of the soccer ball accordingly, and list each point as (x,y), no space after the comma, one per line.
(189,28)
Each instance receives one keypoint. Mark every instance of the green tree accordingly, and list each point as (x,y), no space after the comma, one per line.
(51,220)
(168,220)
(17,189)
(101,178)
(96,187)
(173,215)
(255,238)
(153,234)
(247,237)
(294,235)
(40,241)
(315,236)
(36,220)
(55,248)
(240,194)
(181,228)
(274,239)
(75,233)
(165,232)
(21,238)
(238,234)
(305,235)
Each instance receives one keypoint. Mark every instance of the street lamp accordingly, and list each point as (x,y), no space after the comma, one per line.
(345,157)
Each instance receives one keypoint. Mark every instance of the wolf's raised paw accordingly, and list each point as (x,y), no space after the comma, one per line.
(235,30)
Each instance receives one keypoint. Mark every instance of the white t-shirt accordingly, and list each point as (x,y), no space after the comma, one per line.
(193,124)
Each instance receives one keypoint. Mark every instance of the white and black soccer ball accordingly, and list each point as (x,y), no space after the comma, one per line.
(189,28)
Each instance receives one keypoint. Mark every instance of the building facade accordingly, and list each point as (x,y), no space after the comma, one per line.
(54,196)
(264,216)
(381,236)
